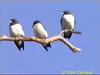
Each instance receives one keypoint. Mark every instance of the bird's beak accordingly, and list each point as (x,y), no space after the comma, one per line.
(10,21)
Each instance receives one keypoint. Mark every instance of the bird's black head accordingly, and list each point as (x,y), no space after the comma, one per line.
(66,12)
(13,21)
(36,21)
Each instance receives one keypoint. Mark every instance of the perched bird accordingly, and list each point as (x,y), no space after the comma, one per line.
(68,23)
(16,30)
(40,32)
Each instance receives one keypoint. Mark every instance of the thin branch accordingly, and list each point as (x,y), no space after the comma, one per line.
(72,47)
(74,32)
(41,41)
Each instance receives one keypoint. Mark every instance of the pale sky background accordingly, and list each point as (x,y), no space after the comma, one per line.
(34,59)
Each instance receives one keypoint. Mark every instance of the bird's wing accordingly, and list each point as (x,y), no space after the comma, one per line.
(74,24)
(61,22)
(45,31)
(44,27)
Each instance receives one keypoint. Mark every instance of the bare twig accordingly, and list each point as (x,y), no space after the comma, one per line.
(41,41)
(72,47)
(74,32)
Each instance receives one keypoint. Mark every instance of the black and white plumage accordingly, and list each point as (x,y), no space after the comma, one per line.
(68,23)
(40,32)
(16,30)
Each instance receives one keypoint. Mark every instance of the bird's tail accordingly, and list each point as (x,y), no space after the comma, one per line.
(19,44)
(23,45)
(46,46)
(67,35)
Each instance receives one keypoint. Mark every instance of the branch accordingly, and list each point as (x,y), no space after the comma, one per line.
(74,32)
(42,41)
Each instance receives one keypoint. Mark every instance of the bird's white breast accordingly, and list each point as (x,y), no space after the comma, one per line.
(68,22)
(16,30)
(40,31)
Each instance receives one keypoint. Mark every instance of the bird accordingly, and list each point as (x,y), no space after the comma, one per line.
(40,32)
(16,30)
(68,22)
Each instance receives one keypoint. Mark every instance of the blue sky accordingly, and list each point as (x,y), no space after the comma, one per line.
(34,59)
